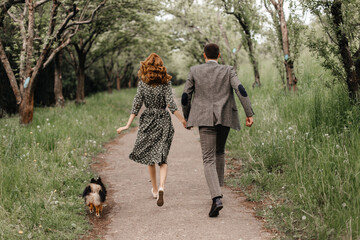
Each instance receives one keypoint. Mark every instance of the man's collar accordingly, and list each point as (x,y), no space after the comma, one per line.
(212,61)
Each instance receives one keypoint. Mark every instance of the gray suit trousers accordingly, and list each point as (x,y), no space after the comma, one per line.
(212,140)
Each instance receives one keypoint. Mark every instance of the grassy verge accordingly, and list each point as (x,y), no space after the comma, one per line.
(301,157)
(45,166)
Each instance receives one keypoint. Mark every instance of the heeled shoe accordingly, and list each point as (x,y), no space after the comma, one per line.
(160,197)
(155,195)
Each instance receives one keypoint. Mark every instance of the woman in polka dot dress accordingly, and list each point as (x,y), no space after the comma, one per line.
(156,131)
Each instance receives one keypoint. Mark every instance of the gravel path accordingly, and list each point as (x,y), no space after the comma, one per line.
(132,213)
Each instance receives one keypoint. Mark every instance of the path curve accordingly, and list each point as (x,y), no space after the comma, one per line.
(132,213)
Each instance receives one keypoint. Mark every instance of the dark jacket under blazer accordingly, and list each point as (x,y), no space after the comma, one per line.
(208,97)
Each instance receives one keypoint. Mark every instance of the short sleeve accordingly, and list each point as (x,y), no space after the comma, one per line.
(169,98)
(138,100)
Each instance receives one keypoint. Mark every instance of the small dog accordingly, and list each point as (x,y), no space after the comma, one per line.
(95,195)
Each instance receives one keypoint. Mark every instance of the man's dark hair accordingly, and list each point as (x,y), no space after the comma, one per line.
(211,51)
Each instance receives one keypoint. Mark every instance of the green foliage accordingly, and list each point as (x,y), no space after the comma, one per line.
(301,156)
(44,167)
(334,40)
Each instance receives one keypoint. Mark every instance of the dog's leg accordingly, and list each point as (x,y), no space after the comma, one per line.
(91,207)
(97,211)
(101,207)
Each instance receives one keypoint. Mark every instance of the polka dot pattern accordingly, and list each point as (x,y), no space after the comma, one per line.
(156,131)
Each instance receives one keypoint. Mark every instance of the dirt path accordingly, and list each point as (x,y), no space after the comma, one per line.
(132,213)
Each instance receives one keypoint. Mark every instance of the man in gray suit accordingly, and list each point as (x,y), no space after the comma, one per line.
(208,102)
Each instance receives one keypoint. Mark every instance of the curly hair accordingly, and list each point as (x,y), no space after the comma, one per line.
(152,71)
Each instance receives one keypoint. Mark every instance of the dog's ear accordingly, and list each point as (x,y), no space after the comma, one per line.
(102,196)
(87,190)
(99,180)
(93,180)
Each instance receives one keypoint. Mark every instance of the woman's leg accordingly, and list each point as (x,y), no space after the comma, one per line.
(163,174)
(152,172)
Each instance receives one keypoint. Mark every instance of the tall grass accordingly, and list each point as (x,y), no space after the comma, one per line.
(45,166)
(302,153)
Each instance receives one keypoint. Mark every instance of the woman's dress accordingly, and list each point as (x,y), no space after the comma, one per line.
(156,131)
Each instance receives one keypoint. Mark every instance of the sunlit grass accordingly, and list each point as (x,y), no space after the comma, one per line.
(45,166)
(302,154)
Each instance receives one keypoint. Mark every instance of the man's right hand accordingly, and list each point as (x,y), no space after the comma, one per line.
(249,121)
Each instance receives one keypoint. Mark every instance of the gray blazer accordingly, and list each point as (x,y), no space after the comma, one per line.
(208,98)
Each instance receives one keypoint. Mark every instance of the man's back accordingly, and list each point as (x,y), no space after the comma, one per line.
(211,85)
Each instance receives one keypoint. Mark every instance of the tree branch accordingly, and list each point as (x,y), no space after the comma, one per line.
(10,74)
(5,7)
(54,8)
(91,18)
(58,49)
(41,2)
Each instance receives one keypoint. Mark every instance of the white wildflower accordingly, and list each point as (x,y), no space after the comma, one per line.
(38,126)
(343,205)
(337,146)
(103,134)
(290,128)
(303,217)
(262,144)
(326,135)
(47,119)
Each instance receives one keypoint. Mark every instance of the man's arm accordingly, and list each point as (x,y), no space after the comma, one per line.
(243,96)
(187,95)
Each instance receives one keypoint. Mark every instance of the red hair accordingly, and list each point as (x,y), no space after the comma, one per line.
(152,71)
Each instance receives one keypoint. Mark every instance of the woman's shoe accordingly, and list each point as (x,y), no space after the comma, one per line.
(155,195)
(160,197)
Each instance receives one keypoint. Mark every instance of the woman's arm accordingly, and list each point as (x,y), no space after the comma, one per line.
(180,117)
(131,118)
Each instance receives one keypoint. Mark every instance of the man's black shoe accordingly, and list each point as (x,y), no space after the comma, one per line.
(216,207)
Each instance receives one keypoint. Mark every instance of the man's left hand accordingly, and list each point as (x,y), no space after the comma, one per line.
(249,121)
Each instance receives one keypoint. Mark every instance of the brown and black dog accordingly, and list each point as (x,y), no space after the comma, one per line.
(95,195)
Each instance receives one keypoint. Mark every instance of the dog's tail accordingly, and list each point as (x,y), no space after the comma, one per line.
(102,192)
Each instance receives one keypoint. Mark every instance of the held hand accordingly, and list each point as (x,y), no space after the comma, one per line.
(184,123)
(119,130)
(249,121)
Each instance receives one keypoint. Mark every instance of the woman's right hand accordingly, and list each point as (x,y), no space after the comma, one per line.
(183,123)
(119,130)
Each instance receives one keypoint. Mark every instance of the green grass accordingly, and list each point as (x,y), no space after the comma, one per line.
(301,156)
(45,166)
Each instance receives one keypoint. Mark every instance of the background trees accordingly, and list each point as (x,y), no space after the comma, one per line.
(339,49)
(247,14)
(35,35)
(95,43)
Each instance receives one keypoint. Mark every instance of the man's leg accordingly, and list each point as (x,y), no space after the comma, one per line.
(221,136)
(208,147)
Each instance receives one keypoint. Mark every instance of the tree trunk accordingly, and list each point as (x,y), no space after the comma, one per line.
(118,82)
(59,98)
(109,85)
(352,78)
(80,73)
(289,65)
(254,63)
(251,51)
(26,108)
